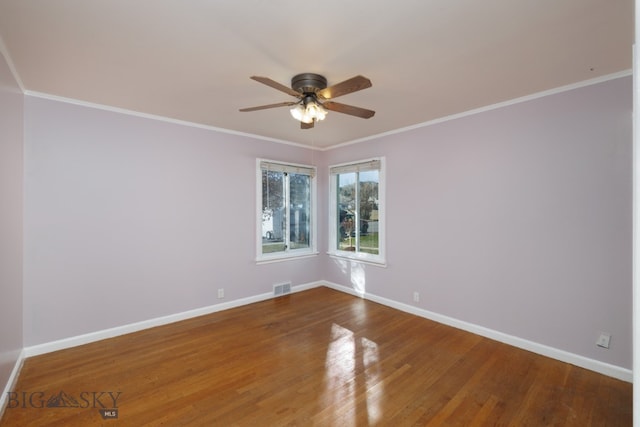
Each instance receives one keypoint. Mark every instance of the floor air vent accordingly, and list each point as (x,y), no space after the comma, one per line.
(282,289)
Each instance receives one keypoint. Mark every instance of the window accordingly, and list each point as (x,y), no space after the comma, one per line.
(356,219)
(286,223)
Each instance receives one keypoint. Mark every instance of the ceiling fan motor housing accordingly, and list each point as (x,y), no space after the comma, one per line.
(308,83)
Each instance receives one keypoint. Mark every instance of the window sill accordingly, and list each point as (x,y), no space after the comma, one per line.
(358,258)
(282,258)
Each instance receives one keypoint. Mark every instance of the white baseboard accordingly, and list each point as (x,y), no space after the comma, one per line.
(544,350)
(11,383)
(151,323)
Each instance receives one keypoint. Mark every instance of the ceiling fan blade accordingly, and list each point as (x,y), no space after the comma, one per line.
(349,109)
(271,83)
(304,125)
(353,84)
(264,107)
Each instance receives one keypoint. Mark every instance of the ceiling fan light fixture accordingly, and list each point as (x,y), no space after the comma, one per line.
(316,110)
(298,112)
(309,111)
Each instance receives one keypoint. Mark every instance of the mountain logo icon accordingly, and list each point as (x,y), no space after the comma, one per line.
(62,400)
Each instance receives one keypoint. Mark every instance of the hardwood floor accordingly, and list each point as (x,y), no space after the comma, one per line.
(315,358)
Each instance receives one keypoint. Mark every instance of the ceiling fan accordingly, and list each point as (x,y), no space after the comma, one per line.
(313,97)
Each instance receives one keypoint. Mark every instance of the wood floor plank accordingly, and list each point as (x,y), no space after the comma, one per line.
(318,357)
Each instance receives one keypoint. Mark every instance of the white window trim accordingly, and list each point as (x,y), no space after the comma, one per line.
(298,253)
(362,257)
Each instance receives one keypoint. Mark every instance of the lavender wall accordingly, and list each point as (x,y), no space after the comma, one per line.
(11,180)
(517,219)
(128,219)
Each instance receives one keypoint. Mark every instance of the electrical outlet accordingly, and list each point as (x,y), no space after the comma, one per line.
(416,297)
(220,293)
(603,340)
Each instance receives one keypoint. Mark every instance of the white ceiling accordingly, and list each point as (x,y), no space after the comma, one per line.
(191,59)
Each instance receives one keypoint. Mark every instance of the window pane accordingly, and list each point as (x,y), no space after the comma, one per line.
(368,213)
(357,211)
(273,212)
(346,214)
(299,210)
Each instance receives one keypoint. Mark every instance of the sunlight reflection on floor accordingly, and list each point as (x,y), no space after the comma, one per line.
(375,387)
(341,381)
(340,372)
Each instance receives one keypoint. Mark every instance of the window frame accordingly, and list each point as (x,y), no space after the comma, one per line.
(333,251)
(288,253)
